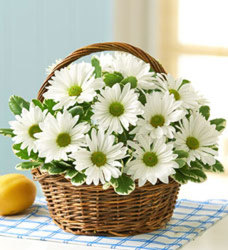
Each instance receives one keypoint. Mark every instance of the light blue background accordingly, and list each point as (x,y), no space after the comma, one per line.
(33,33)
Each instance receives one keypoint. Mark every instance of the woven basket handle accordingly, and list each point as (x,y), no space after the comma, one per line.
(98,47)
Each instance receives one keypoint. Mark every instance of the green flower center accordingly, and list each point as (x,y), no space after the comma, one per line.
(116,109)
(192,142)
(175,93)
(98,158)
(63,140)
(132,80)
(157,121)
(74,90)
(33,130)
(150,159)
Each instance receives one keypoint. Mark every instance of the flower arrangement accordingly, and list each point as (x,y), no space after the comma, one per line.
(115,121)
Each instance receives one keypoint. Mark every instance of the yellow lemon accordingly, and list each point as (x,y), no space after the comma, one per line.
(17,193)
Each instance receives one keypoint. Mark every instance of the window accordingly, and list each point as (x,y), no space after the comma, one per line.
(194,45)
(189,38)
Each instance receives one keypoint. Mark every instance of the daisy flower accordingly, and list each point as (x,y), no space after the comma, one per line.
(184,93)
(134,70)
(153,160)
(76,84)
(106,62)
(159,112)
(197,136)
(116,108)
(26,126)
(50,68)
(60,136)
(100,160)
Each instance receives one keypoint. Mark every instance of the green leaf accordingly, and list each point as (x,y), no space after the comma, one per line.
(205,111)
(197,164)
(218,167)
(142,98)
(38,104)
(7,132)
(17,103)
(197,176)
(181,153)
(185,81)
(179,177)
(71,173)
(193,174)
(53,170)
(49,104)
(111,78)
(130,79)
(106,185)
(96,64)
(27,165)
(123,185)
(45,167)
(180,162)
(220,123)
(63,164)
(23,153)
(77,110)
(79,179)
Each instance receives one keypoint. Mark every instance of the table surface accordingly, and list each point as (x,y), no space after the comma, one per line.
(216,237)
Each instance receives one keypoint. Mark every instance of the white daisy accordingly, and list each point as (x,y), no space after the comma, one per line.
(181,92)
(50,68)
(159,112)
(134,70)
(60,136)
(106,62)
(116,108)
(26,126)
(73,85)
(197,136)
(153,160)
(101,160)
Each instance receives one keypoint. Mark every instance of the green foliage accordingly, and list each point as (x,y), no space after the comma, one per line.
(27,165)
(142,98)
(123,185)
(45,167)
(192,173)
(55,169)
(96,64)
(180,162)
(78,179)
(76,110)
(38,104)
(181,153)
(130,79)
(220,124)
(23,153)
(185,81)
(205,111)
(71,173)
(49,104)
(180,177)
(111,78)
(7,132)
(16,104)
(217,167)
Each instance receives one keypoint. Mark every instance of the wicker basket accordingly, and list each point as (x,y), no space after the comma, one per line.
(90,210)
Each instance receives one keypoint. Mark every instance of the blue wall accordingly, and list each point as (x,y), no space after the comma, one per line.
(33,33)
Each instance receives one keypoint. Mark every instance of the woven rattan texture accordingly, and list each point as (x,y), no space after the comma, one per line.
(90,210)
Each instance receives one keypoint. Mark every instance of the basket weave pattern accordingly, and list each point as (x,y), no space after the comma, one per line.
(90,210)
